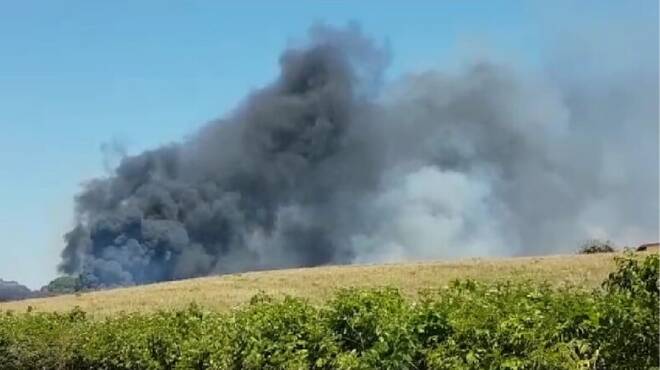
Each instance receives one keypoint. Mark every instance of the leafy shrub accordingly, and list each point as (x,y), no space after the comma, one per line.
(373,328)
(596,246)
(280,335)
(636,277)
(467,325)
(629,323)
(513,326)
(63,285)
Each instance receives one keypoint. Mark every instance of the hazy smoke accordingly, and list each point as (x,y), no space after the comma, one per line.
(11,290)
(327,165)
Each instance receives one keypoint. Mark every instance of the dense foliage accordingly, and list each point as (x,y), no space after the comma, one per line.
(596,246)
(465,326)
(64,285)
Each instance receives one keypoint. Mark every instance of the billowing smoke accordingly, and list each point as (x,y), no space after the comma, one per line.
(328,164)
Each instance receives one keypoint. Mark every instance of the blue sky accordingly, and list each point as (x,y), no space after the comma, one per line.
(77,74)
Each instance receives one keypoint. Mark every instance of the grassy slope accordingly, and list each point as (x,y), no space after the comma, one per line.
(224,292)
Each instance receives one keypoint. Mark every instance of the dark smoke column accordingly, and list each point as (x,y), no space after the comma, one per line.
(325,166)
(251,191)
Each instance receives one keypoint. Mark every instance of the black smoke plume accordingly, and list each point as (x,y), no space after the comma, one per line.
(328,164)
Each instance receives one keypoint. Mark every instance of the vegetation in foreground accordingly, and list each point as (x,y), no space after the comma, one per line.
(468,325)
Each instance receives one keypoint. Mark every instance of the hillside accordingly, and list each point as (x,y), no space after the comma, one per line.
(224,292)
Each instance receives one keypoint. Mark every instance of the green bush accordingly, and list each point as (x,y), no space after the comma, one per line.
(596,246)
(280,335)
(63,285)
(467,325)
(630,313)
(373,329)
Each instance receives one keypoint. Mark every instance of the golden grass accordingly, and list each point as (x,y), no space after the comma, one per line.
(224,292)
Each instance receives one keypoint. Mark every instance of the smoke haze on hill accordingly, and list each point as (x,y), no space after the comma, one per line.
(11,290)
(329,164)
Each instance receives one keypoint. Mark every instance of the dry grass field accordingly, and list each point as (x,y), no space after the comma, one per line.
(224,292)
